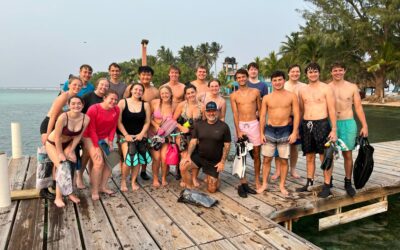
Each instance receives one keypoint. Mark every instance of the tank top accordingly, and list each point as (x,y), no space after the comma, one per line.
(67,132)
(133,121)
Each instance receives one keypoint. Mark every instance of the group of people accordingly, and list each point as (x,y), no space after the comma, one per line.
(312,115)
(83,120)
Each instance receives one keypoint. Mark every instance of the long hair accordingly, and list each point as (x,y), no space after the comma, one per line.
(170,93)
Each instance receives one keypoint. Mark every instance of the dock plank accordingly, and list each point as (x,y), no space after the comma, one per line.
(225,224)
(29,221)
(129,229)
(198,230)
(279,238)
(216,245)
(16,175)
(96,228)
(63,232)
(251,241)
(163,229)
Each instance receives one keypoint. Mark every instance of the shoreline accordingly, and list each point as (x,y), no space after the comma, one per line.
(395,104)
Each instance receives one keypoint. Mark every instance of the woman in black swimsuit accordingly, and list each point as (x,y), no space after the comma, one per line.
(133,123)
(61,142)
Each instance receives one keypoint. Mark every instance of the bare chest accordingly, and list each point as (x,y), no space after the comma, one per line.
(310,95)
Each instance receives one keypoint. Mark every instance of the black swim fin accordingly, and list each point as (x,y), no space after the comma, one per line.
(328,157)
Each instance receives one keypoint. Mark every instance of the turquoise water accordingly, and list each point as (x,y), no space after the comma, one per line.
(29,107)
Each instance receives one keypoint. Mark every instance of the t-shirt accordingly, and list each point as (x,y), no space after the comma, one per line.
(261,86)
(90,99)
(211,139)
(86,89)
(119,88)
(102,125)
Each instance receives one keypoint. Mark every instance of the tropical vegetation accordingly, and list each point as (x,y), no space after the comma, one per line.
(187,59)
(363,34)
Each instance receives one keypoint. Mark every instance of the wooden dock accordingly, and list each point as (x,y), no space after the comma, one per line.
(153,219)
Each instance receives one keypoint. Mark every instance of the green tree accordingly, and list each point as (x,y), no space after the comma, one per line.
(370,27)
(187,55)
(165,55)
(270,64)
(215,51)
(204,55)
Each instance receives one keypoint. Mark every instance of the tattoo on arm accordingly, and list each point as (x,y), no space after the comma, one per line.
(225,151)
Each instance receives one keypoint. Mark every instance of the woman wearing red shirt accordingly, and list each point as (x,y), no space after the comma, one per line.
(102,126)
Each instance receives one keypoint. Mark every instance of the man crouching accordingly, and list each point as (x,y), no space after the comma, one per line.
(208,149)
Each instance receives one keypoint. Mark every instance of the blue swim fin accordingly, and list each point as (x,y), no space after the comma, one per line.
(143,152)
(131,157)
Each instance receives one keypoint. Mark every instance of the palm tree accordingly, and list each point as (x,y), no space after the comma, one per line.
(215,50)
(271,63)
(165,55)
(187,55)
(290,48)
(204,57)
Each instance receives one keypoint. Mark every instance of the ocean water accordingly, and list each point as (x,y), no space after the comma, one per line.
(27,107)
(30,106)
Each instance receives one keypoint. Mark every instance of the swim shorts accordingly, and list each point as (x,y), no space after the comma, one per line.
(207,166)
(315,135)
(277,139)
(252,130)
(347,132)
(44,125)
(298,141)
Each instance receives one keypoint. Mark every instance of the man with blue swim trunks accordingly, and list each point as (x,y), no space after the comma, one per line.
(280,130)
(347,94)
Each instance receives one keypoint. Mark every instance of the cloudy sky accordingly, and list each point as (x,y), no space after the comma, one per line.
(43,41)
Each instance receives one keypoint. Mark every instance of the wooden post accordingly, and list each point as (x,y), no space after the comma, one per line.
(289,224)
(16,140)
(5,196)
(144,51)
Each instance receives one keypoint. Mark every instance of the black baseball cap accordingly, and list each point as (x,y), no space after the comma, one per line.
(211,106)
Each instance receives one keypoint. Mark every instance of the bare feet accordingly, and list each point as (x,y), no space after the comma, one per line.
(196,182)
(258,184)
(275,176)
(107,191)
(156,183)
(262,188)
(182,184)
(135,186)
(95,197)
(294,174)
(74,199)
(284,191)
(59,203)
(79,184)
(124,188)
(164,183)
